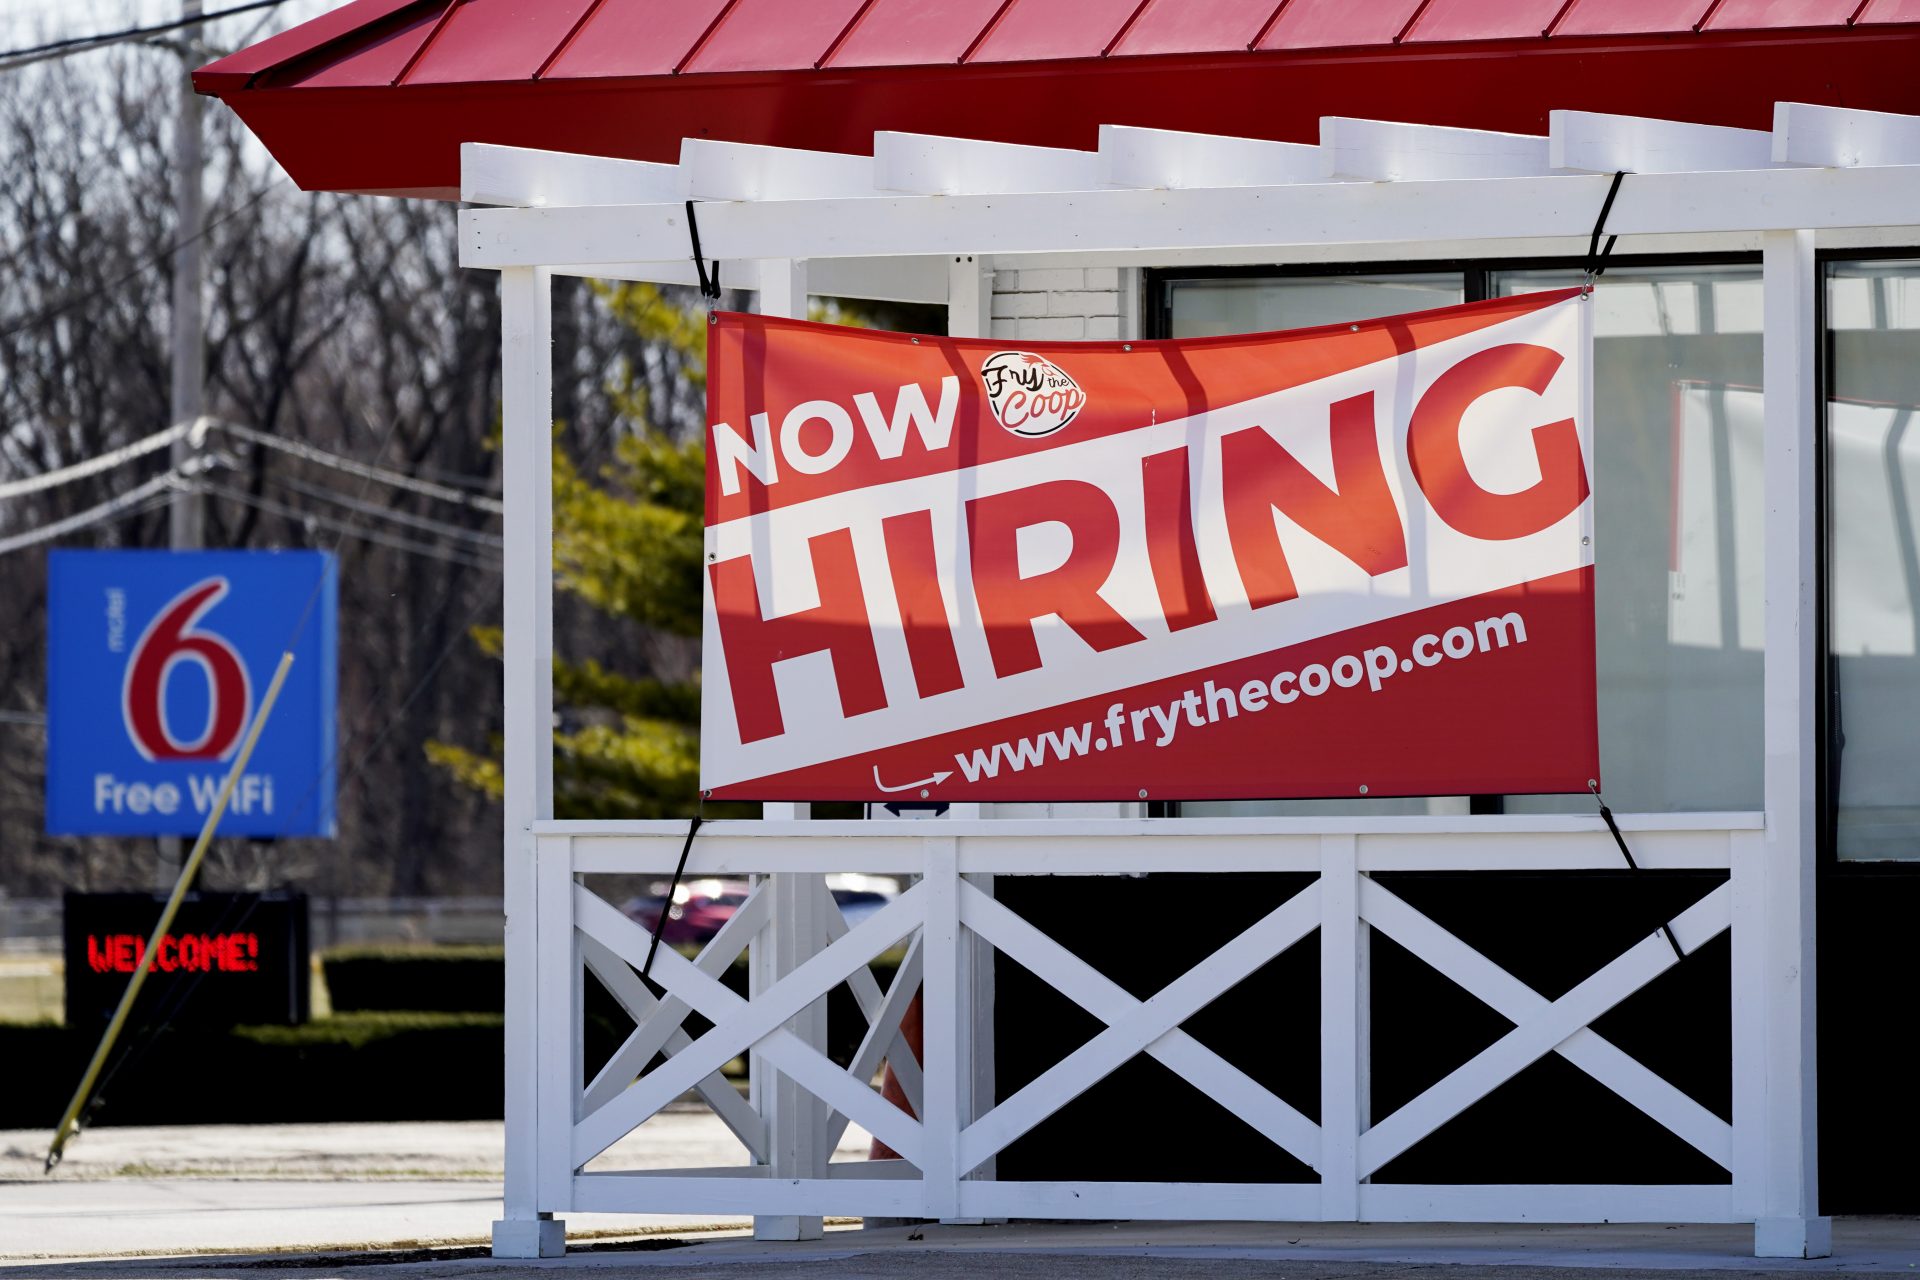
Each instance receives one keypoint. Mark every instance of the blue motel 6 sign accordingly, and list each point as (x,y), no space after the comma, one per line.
(156,664)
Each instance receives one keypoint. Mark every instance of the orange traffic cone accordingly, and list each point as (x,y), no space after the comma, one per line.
(889,1086)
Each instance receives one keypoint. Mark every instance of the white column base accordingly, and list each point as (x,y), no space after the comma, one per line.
(1793,1238)
(529,1238)
(787,1228)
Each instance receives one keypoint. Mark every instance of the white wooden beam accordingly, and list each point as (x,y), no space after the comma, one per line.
(1591,142)
(919,279)
(1843,137)
(1168,159)
(1387,151)
(530,177)
(749,171)
(926,164)
(1149,223)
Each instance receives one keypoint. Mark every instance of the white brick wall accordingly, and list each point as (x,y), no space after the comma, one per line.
(1063,304)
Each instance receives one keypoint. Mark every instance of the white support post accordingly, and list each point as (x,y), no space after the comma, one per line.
(969,308)
(526,322)
(944,1029)
(1341,1068)
(1791,1225)
(796,1120)
(562,990)
(1747,873)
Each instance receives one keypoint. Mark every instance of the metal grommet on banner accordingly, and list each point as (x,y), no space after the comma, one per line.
(1597,256)
(709,284)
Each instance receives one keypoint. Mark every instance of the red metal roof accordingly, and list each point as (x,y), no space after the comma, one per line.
(378,95)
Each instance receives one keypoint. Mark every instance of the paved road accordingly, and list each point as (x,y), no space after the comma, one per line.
(227,1188)
(1176,1251)
(219,1190)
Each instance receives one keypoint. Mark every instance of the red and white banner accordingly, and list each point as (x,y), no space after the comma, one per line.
(1354,560)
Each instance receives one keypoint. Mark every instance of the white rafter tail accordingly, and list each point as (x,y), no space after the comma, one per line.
(751,171)
(1843,137)
(1592,142)
(1168,159)
(532,178)
(929,165)
(1387,151)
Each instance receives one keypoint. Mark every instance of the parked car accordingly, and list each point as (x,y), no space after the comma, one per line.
(699,909)
(857,904)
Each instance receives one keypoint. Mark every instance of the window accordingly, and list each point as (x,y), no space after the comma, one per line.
(1677,526)
(1873,579)
(1206,308)
(1677,534)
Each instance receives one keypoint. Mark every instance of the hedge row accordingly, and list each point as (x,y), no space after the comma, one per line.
(445,979)
(418,1066)
(359,1064)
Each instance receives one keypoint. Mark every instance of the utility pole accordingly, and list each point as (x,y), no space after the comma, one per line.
(186,526)
(185,522)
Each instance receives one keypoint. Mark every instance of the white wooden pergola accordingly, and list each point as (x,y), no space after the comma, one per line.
(926,219)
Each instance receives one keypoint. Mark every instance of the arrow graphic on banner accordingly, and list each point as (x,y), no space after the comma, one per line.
(935,780)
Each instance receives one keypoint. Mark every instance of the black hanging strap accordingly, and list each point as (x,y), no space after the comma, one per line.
(666,903)
(1596,256)
(710,285)
(1606,816)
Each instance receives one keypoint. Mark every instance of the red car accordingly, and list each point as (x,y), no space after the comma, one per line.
(699,908)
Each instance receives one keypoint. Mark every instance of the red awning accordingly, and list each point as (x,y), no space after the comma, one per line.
(378,95)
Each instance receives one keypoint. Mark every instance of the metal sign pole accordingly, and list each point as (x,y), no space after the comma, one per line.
(165,922)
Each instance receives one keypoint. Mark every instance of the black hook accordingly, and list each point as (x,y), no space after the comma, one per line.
(709,285)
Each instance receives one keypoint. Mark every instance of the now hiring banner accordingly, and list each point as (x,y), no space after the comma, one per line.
(1353,560)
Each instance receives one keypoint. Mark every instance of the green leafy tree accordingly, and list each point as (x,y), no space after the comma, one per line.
(628,544)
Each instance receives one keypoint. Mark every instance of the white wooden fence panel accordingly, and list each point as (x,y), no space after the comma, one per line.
(948,1147)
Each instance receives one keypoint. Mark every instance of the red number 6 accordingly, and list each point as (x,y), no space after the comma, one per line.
(171,638)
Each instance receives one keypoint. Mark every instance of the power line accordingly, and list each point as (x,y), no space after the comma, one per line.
(108,510)
(325,494)
(366,471)
(309,453)
(349,529)
(95,465)
(12,58)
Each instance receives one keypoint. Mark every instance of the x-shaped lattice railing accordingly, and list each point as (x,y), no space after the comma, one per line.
(615,1102)
(1543,1026)
(738,1024)
(1133,1026)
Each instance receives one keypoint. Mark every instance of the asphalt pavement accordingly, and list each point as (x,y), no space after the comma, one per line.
(365,1202)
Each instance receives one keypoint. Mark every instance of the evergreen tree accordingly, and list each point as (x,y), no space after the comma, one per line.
(628,544)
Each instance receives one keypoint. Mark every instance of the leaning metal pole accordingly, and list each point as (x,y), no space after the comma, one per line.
(187,872)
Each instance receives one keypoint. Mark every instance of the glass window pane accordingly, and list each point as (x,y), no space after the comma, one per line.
(1873,476)
(1677,534)
(1206,308)
(1210,308)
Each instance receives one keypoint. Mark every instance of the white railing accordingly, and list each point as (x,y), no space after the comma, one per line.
(800,949)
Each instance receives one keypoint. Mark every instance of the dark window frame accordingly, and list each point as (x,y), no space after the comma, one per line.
(1828,861)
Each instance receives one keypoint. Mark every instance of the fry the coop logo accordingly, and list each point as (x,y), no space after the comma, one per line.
(1030,394)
